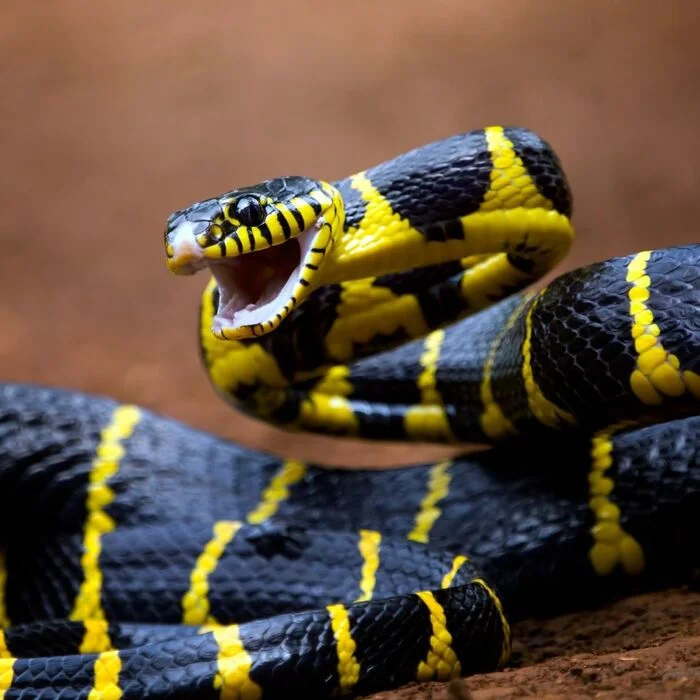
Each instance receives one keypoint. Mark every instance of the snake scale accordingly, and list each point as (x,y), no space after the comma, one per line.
(145,559)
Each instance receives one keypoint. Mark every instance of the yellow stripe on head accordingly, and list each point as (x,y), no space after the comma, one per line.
(254,261)
(287,212)
(302,208)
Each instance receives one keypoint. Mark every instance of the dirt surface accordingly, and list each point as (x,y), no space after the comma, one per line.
(643,647)
(114,114)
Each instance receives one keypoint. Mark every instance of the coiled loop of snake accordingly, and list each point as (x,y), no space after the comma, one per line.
(388,305)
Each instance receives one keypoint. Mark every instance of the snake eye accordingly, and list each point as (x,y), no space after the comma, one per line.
(249,211)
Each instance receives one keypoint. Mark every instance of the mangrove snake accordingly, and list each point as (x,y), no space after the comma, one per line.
(144,559)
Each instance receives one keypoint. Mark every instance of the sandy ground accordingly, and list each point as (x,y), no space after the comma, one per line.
(114,114)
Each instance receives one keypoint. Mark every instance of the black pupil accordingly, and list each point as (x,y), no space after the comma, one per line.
(249,211)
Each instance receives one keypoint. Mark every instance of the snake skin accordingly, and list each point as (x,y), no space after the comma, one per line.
(145,559)
(583,353)
(523,516)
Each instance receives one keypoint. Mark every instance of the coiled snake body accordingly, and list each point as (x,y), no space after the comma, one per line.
(144,559)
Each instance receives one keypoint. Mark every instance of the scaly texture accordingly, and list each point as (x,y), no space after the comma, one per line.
(522,515)
(144,559)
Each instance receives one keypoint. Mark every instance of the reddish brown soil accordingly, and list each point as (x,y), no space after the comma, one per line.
(113,114)
(643,647)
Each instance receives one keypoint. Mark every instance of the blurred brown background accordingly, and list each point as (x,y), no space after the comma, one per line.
(113,114)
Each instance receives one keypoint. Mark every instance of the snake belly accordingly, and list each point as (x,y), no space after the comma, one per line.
(145,559)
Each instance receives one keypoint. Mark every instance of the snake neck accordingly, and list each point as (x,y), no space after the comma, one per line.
(417,243)
(492,192)
(566,358)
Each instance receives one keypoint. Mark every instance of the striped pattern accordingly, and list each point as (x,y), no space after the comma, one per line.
(328,412)
(110,451)
(286,219)
(369,544)
(511,186)
(491,278)
(658,373)
(500,223)
(456,566)
(233,365)
(505,626)
(107,668)
(438,488)
(233,664)
(195,603)
(441,662)
(282,220)
(348,666)
(493,421)
(367,310)
(95,637)
(291,472)
(612,544)
(429,418)
(526,231)
(541,407)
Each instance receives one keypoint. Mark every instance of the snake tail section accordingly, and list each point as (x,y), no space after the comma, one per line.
(222,570)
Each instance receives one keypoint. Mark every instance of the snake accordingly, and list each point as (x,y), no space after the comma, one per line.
(412,302)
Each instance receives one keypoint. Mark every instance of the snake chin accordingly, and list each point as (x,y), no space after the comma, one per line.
(258,287)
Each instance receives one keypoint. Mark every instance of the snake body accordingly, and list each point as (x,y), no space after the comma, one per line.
(145,559)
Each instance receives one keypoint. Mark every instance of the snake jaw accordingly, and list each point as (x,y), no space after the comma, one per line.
(258,290)
(265,246)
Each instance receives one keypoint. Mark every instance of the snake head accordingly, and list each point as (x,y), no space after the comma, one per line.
(264,246)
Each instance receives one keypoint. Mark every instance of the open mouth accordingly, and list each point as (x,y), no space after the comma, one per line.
(257,290)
